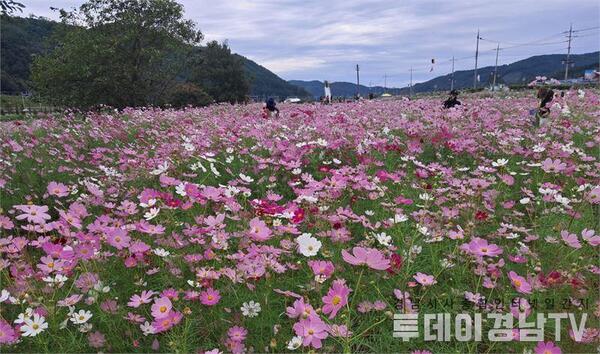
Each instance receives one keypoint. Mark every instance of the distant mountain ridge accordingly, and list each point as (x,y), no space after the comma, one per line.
(23,38)
(519,72)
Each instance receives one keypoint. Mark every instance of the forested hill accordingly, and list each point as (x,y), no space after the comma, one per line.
(21,38)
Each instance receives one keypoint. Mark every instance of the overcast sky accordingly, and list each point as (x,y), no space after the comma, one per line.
(325,39)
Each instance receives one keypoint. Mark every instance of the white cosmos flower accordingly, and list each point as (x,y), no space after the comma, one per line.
(398,218)
(369,212)
(425,197)
(180,189)
(81,317)
(296,171)
(525,200)
(151,214)
(161,252)
(4,295)
(246,179)
(308,246)
(294,343)
(214,170)
(500,163)
(150,203)
(250,309)
(24,316)
(147,328)
(384,239)
(35,326)
(162,168)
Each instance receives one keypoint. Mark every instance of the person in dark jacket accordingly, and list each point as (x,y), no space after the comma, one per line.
(545,95)
(271,108)
(452,100)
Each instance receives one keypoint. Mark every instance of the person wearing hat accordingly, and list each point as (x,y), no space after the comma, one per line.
(452,100)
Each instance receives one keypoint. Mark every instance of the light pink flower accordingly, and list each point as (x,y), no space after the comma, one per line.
(520,284)
(259,230)
(58,189)
(370,257)
(425,279)
(312,330)
(570,239)
(161,307)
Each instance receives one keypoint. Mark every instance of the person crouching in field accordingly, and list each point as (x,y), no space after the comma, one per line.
(545,95)
(270,109)
(452,100)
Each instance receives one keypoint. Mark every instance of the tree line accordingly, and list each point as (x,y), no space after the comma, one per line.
(135,53)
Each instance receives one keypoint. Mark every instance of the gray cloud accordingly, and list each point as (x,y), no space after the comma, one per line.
(315,39)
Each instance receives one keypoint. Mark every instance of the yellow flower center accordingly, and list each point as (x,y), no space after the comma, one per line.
(311,332)
(336,300)
(210,297)
(35,326)
(517,282)
(163,309)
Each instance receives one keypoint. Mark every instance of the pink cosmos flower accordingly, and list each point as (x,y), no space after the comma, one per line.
(590,237)
(312,330)
(5,223)
(8,335)
(336,298)
(96,339)
(118,238)
(570,239)
(58,189)
(547,348)
(594,196)
(210,297)
(520,284)
(258,230)
(339,331)
(424,279)
(237,333)
(553,166)
(161,307)
(33,213)
(480,247)
(300,309)
(324,268)
(163,324)
(371,257)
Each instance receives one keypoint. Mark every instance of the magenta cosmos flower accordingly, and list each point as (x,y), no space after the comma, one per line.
(547,348)
(425,279)
(259,230)
(312,330)
(336,298)
(480,247)
(118,238)
(210,297)
(520,284)
(161,307)
(370,257)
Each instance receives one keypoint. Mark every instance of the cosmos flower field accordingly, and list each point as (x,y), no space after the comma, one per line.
(216,229)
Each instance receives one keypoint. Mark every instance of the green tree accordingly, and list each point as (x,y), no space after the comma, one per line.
(8,7)
(116,52)
(220,73)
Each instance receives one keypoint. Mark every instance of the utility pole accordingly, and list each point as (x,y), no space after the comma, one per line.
(496,68)
(568,62)
(452,80)
(411,89)
(476,56)
(385,83)
(357,82)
